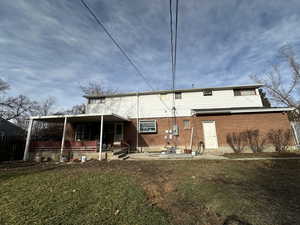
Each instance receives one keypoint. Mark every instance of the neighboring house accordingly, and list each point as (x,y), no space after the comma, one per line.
(11,141)
(144,121)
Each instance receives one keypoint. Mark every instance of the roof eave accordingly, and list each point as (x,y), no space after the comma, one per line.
(177,90)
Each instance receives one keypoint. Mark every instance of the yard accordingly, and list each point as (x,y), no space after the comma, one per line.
(151,192)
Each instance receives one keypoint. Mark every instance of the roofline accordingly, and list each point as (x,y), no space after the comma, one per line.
(236,111)
(177,90)
(76,116)
(16,126)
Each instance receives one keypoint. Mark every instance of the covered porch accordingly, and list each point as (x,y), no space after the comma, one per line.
(89,135)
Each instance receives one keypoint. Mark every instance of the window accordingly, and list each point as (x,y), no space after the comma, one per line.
(102,100)
(244,92)
(147,126)
(87,131)
(186,124)
(207,93)
(92,101)
(178,95)
(97,100)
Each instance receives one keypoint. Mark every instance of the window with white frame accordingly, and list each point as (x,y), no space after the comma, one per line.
(207,92)
(92,101)
(186,124)
(244,92)
(147,126)
(102,100)
(97,100)
(178,95)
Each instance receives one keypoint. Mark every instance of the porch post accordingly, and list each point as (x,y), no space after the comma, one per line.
(63,140)
(101,135)
(137,120)
(28,139)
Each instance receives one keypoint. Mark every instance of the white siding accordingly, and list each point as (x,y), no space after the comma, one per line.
(152,105)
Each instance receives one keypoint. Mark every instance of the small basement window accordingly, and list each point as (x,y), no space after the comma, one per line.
(147,126)
(244,92)
(178,95)
(207,93)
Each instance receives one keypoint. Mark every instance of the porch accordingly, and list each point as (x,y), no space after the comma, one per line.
(89,135)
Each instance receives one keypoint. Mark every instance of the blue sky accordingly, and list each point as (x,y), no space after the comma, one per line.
(50,47)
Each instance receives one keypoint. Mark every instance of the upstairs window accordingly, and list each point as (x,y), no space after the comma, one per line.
(244,92)
(102,100)
(92,101)
(147,126)
(178,95)
(207,93)
(97,100)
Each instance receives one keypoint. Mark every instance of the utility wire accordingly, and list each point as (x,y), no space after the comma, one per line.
(139,72)
(173,38)
(175,45)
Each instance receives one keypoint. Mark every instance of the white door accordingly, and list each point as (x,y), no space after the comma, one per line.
(119,129)
(210,134)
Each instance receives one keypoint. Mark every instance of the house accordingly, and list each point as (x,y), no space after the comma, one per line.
(11,141)
(145,121)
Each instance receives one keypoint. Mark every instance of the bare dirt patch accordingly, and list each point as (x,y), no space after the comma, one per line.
(206,192)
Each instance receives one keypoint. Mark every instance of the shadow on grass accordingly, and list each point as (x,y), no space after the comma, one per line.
(240,193)
(10,170)
(278,183)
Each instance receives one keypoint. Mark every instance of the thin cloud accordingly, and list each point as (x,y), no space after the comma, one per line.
(50,47)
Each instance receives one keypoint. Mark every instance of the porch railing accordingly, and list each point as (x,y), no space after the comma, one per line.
(69,145)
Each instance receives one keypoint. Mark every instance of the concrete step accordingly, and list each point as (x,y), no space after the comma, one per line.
(120,151)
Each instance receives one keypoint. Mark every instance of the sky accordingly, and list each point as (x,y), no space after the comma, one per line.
(51,47)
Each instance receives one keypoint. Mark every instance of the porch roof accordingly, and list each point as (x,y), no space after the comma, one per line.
(81,118)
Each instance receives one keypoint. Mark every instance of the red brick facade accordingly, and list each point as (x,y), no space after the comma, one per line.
(225,124)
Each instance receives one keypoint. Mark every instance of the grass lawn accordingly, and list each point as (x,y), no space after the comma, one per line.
(151,192)
(263,155)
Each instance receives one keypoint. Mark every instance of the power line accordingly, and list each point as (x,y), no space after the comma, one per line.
(139,72)
(175,48)
(171,41)
(173,38)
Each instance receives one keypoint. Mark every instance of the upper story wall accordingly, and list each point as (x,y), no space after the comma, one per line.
(160,105)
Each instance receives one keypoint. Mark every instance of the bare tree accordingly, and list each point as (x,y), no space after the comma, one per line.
(237,141)
(76,109)
(12,108)
(45,107)
(280,139)
(283,90)
(95,88)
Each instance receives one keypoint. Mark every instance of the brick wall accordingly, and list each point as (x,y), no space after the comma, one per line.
(225,124)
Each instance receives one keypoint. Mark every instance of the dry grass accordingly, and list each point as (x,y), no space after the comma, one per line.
(263,155)
(152,192)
